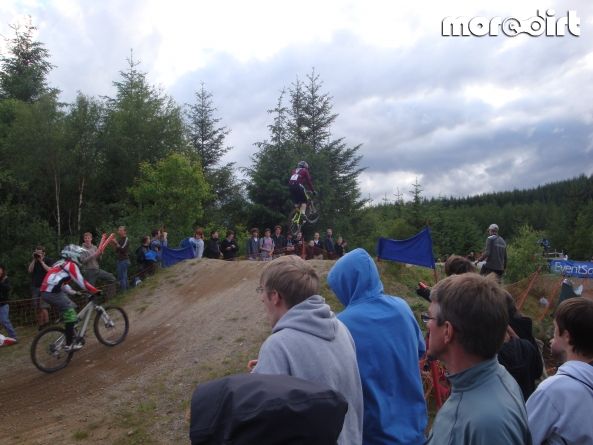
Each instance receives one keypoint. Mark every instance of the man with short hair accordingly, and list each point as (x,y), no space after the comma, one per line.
(385,332)
(279,241)
(90,266)
(307,340)
(495,253)
(559,411)
(467,321)
(329,245)
(212,246)
(229,246)
(122,252)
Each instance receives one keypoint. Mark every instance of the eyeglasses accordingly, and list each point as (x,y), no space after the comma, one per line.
(259,289)
(425,317)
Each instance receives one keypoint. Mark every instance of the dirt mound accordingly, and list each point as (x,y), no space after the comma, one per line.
(196,321)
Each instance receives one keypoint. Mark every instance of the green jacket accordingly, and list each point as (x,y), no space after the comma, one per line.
(485,407)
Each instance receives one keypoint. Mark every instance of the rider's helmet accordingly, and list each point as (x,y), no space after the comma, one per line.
(72,252)
(303,164)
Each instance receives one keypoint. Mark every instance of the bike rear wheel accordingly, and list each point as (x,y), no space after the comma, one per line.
(311,213)
(111,325)
(48,350)
(295,226)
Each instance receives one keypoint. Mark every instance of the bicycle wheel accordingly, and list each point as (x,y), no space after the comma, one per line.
(111,325)
(47,350)
(311,213)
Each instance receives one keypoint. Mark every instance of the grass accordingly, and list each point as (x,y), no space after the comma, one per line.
(80,435)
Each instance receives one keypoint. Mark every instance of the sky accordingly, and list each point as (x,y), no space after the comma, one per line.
(461,115)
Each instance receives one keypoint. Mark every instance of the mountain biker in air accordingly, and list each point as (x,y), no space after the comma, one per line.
(299,178)
(55,289)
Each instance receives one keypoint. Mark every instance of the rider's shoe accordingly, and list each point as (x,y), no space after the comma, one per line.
(73,347)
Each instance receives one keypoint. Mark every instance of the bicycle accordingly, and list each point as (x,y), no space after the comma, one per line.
(111,325)
(311,215)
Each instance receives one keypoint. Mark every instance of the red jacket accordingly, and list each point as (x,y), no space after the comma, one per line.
(301,176)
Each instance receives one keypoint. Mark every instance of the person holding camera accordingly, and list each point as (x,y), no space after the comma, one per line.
(38,267)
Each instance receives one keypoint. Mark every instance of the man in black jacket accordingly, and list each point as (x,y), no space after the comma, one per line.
(229,247)
(212,247)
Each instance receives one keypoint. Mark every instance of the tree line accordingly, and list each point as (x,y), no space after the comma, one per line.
(138,158)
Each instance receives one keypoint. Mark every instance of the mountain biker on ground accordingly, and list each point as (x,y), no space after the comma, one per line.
(55,289)
(299,178)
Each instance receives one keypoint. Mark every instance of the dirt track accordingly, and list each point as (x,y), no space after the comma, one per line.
(193,322)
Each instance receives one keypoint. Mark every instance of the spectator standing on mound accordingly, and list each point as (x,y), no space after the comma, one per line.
(279,241)
(467,320)
(4,306)
(122,249)
(329,244)
(197,242)
(560,408)
(266,246)
(90,266)
(212,248)
(307,340)
(387,353)
(38,267)
(229,247)
(340,247)
(253,245)
(495,253)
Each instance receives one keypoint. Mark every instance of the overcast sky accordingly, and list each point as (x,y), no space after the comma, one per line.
(463,115)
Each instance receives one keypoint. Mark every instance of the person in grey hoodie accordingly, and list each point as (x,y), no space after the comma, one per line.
(307,340)
(559,411)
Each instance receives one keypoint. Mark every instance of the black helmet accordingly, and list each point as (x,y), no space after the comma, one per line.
(303,164)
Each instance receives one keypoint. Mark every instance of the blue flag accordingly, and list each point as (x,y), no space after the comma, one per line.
(416,250)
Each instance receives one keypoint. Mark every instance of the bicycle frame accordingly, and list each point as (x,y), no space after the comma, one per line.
(85,314)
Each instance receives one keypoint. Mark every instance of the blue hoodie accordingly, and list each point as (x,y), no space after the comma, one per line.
(389,344)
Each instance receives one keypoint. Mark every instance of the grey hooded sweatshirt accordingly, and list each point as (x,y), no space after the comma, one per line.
(309,342)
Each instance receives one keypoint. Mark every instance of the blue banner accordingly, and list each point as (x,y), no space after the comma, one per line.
(416,250)
(172,256)
(579,269)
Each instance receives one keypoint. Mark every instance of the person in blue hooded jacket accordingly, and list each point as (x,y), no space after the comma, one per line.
(388,344)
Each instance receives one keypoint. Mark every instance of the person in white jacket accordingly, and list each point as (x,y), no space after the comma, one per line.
(559,411)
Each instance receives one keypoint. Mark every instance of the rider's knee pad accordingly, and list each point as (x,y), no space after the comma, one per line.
(69,316)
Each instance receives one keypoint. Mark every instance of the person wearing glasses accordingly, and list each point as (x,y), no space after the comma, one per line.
(307,340)
(385,332)
(467,322)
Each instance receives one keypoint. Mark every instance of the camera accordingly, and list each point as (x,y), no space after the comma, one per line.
(36,255)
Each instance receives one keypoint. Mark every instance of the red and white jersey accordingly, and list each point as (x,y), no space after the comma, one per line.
(60,274)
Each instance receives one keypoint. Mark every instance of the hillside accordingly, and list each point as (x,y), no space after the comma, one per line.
(196,321)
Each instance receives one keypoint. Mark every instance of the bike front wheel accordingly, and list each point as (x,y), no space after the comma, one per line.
(48,351)
(311,213)
(111,325)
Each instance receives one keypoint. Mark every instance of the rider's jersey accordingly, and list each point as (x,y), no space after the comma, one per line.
(301,176)
(60,274)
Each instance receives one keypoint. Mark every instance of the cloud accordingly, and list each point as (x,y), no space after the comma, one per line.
(461,115)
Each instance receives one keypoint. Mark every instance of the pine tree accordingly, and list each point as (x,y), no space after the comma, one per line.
(24,70)
(206,137)
(301,130)
(141,125)
(207,140)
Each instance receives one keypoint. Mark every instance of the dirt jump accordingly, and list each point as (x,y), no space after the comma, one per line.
(196,321)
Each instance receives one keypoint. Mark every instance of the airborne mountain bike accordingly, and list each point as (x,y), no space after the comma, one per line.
(111,325)
(311,215)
